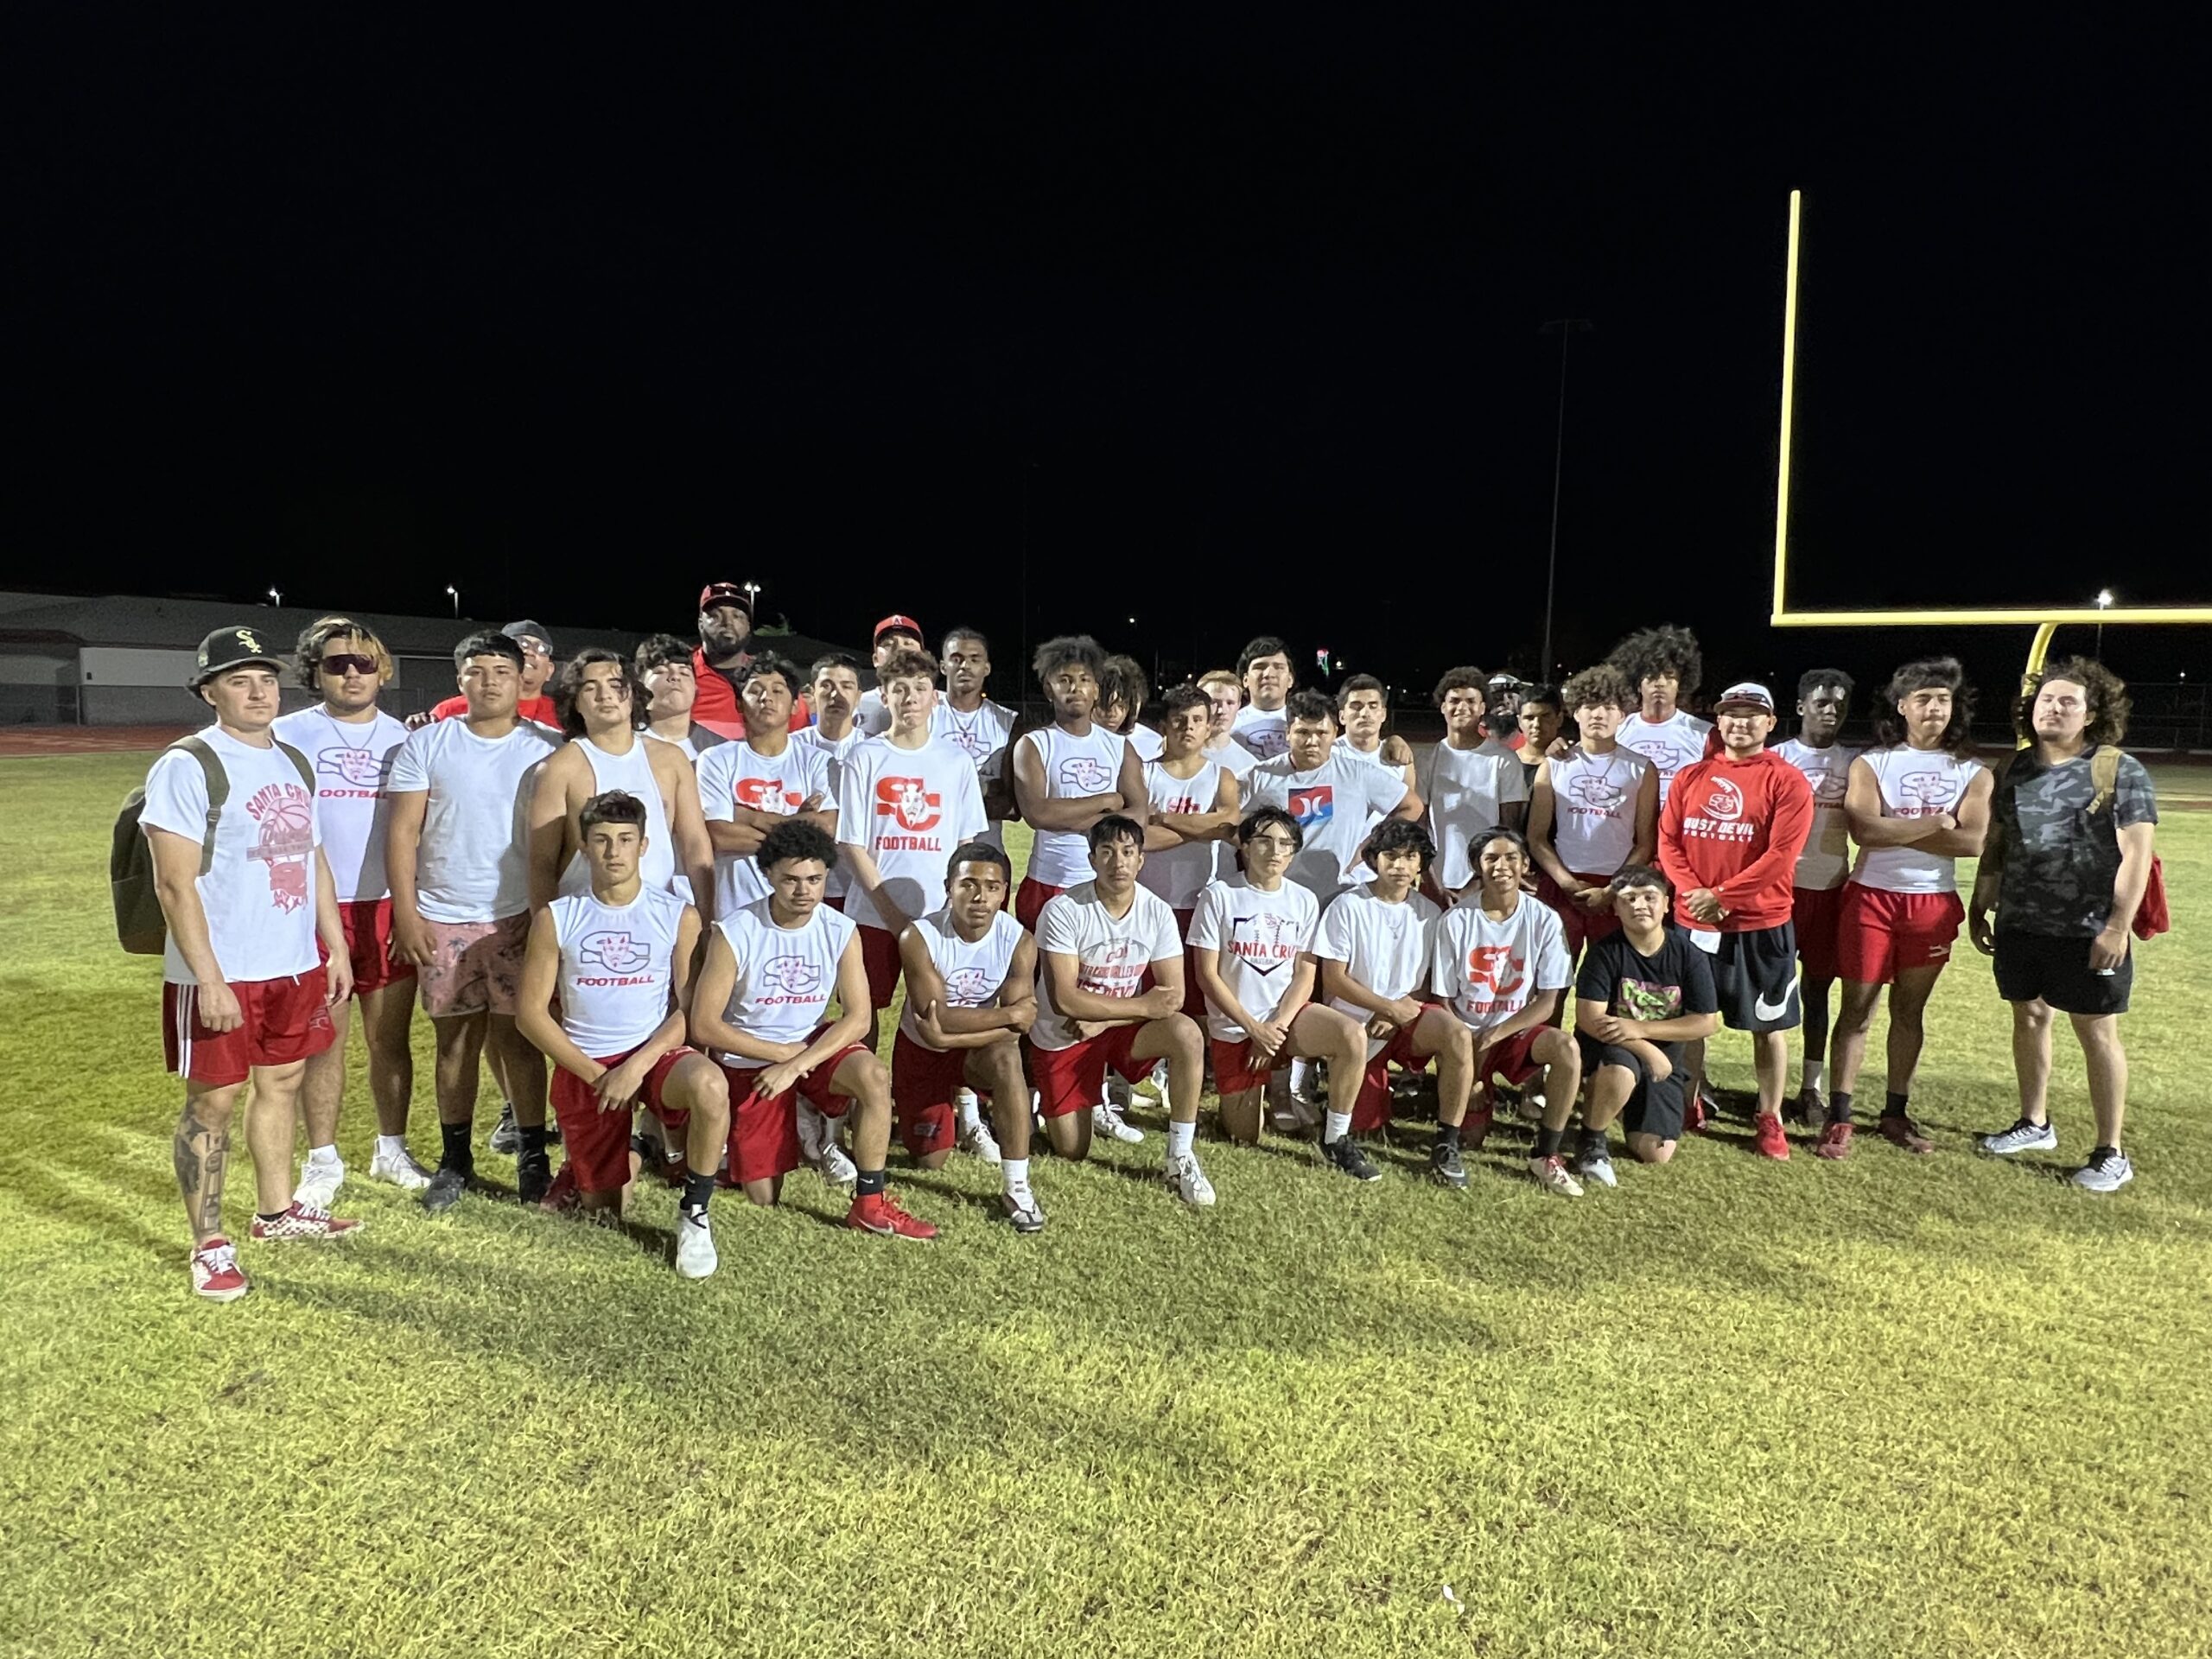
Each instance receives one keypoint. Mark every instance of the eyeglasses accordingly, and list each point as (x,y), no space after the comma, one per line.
(348,663)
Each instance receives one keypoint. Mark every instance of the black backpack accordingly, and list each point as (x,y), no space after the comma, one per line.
(140,927)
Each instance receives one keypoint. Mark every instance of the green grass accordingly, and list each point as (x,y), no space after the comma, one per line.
(1939,1407)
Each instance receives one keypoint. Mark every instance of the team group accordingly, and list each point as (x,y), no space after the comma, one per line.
(690,879)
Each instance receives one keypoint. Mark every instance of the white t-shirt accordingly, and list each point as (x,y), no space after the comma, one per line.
(834,750)
(910,808)
(870,717)
(785,976)
(1233,755)
(973,973)
(1669,744)
(1259,937)
(1827,857)
(1489,970)
(1915,784)
(732,775)
(982,734)
(353,765)
(1177,873)
(1072,767)
(474,863)
(1464,791)
(1593,809)
(1148,743)
(632,774)
(1385,947)
(1335,803)
(617,967)
(1264,731)
(260,892)
(1111,956)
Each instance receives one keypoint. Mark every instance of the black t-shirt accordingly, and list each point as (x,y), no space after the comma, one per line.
(1674,979)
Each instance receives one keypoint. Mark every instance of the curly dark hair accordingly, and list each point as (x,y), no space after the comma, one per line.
(1653,652)
(2109,703)
(796,838)
(1600,684)
(570,681)
(1928,674)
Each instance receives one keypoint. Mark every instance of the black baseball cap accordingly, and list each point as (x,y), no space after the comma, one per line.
(526,629)
(229,648)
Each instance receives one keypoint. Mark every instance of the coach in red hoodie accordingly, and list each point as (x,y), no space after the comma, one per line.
(1729,837)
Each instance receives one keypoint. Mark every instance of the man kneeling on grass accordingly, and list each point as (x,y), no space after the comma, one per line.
(1252,937)
(1642,994)
(771,967)
(618,957)
(1501,962)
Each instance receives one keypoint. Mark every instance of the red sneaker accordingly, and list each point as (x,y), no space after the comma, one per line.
(1694,1116)
(1835,1141)
(215,1272)
(1475,1128)
(1769,1141)
(875,1212)
(561,1196)
(1901,1131)
(303,1221)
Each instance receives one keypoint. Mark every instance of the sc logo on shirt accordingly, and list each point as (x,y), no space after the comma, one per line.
(766,795)
(1724,802)
(1084,774)
(969,987)
(361,768)
(1494,966)
(619,953)
(1598,794)
(793,975)
(908,802)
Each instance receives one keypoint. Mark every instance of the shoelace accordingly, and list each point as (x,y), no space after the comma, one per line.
(221,1259)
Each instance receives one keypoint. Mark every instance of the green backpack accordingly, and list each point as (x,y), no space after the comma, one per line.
(140,927)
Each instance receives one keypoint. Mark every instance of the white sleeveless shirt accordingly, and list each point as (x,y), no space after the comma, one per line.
(1073,768)
(1915,784)
(633,774)
(1594,808)
(617,965)
(973,973)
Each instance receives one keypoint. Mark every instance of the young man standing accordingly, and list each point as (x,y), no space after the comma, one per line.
(1729,838)
(1664,665)
(1916,802)
(1334,799)
(1595,811)
(747,788)
(664,664)
(1253,938)
(351,742)
(247,897)
(1644,992)
(833,683)
(971,977)
(1262,725)
(763,991)
(1361,712)
(893,635)
(2070,857)
(1095,944)
(1193,811)
(1500,961)
(1543,716)
(903,802)
(1069,775)
(980,728)
(619,956)
(1469,783)
(1123,690)
(457,857)
(1377,944)
(1225,696)
(601,705)
(531,702)
(1816,897)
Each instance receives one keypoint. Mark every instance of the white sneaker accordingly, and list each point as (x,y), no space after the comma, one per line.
(2023,1136)
(319,1184)
(695,1257)
(978,1142)
(1551,1175)
(1104,1120)
(1155,1081)
(1188,1182)
(1117,1093)
(1596,1167)
(400,1170)
(1021,1208)
(819,1151)
(2106,1174)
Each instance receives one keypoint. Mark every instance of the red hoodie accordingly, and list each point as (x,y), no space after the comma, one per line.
(716,708)
(1736,827)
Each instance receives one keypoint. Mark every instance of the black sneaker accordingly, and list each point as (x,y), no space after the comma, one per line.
(445,1189)
(1444,1166)
(533,1176)
(507,1139)
(1350,1158)
(552,1130)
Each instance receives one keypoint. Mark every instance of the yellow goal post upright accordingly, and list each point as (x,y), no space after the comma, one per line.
(2045,620)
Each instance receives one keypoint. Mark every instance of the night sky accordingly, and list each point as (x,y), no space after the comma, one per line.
(1226,326)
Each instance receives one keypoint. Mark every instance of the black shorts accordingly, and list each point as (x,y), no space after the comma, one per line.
(1655,1107)
(2032,965)
(1755,974)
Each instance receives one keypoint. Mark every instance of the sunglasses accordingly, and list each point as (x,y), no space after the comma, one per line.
(348,663)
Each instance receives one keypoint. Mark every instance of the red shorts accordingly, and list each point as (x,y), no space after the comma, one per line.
(1371,1110)
(1069,1079)
(1194,1000)
(368,944)
(1881,935)
(281,1021)
(1581,926)
(1511,1059)
(764,1129)
(1030,899)
(1818,912)
(1235,1068)
(922,1084)
(599,1143)
(880,956)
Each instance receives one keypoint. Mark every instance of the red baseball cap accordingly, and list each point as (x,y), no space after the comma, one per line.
(896,624)
(724,592)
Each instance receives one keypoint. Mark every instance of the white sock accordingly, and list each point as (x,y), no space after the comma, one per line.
(1301,1075)
(1335,1125)
(324,1157)
(963,1102)
(1014,1173)
(1178,1138)
(1816,1074)
(391,1146)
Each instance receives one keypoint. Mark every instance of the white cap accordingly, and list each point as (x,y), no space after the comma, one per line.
(1749,692)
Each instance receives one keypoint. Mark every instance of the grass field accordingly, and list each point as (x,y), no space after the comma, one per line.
(1894,1406)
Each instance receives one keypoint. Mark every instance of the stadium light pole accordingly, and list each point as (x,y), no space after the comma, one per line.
(276,597)
(751,597)
(453,594)
(2104,603)
(1566,328)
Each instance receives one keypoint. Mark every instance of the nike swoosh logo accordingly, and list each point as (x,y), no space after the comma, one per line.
(1765,1010)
